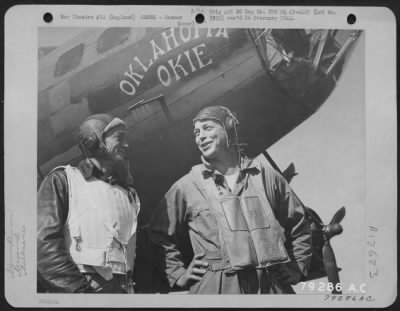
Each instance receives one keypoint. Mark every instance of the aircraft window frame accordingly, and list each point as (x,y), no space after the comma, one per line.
(110,38)
(72,57)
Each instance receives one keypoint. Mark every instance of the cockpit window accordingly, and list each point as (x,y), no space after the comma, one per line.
(112,37)
(69,60)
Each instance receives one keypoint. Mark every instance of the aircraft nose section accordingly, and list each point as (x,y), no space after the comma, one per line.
(306,64)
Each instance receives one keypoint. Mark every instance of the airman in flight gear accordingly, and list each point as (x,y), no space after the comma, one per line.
(248,231)
(87,216)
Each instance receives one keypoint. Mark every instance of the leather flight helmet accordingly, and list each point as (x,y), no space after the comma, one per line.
(91,133)
(224,116)
(221,114)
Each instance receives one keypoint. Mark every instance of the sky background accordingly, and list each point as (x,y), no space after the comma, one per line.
(328,150)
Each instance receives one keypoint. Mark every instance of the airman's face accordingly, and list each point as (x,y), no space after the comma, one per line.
(210,138)
(117,144)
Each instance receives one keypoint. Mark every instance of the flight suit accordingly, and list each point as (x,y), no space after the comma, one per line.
(249,235)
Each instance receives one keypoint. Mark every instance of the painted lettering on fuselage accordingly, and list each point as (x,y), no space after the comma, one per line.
(194,55)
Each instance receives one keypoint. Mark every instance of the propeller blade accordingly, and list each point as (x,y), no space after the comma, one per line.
(289,172)
(315,218)
(330,265)
(339,215)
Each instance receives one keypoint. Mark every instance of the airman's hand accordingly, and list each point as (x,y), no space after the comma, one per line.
(194,272)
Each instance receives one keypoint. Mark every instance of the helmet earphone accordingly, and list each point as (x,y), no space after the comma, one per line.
(90,141)
(230,122)
(90,145)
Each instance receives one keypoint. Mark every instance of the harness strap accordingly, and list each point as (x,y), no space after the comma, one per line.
(215,259)
(215,262)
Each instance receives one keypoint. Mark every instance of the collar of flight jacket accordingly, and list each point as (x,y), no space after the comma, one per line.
(88,170)
(246,165)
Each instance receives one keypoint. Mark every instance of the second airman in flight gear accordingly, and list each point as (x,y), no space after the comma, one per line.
(248,231)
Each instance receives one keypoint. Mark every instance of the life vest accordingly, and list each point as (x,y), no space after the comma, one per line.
(251,235)
(101,225)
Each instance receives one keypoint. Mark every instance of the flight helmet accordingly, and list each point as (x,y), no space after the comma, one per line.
(91,132)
